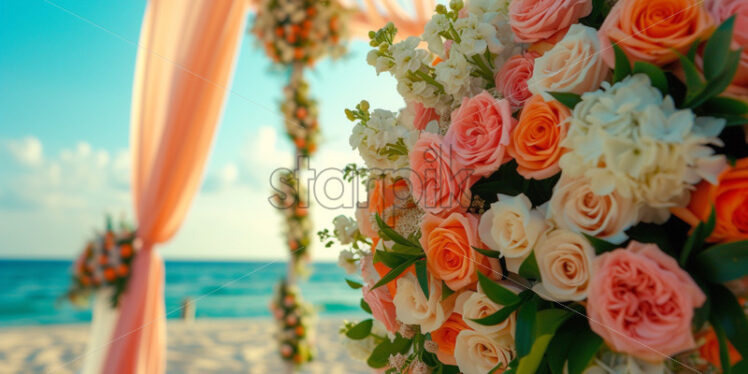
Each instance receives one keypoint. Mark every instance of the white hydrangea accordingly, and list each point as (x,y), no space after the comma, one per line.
(383,143)
(345,229)
(628,138)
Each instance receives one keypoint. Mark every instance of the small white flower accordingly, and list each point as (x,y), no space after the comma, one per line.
(347,261)
(345,229)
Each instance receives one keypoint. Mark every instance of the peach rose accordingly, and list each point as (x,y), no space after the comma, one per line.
(479,133)
(536,139)
(446,336)
(423,116)
(512,227)
(572,65)
(412,306)
(511,80)
(722,10)
(729,197)
(641,303)
(476,305)
(564,260)
(382,307)
(448,245)
(478,353)
(652,30)
(439,182)
(574,206)
(535,20)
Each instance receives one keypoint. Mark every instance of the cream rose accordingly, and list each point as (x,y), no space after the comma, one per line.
(478,353)
(474,305)
(573,65)
(575,206)
(511,227)
(564,260)
(412,307)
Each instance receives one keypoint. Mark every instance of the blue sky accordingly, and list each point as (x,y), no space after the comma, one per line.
(66,71)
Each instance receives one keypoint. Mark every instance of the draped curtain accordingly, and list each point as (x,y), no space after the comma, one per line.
(185,60)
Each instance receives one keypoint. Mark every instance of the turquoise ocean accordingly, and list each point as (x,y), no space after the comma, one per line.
(31,290)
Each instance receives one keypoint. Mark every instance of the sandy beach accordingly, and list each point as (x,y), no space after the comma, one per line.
(205,346)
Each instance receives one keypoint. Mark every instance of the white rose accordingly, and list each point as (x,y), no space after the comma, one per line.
(412,307)
(575,206)
(573,65)
(565,262)
(475,305)
(478,353)
(347,261)
(345,229)
(512,227)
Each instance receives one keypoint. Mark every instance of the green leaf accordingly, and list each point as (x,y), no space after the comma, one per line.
(717,85)
(601,246)
(525,327)
(423,277)
(623,66)
(387,278)
(353,284)
(495,292)
(727,312)
(549,320)
(365,306)
(392,260)
(407,250)
(380,356)
(732,120)
(656,76)
(529,268)
(530,362)
(723,262)
(569,99)
(586,346)
(694,84)
(574,342)
(388,233)
(488,252)
(724,350)
(691,54)
(725,105)
(651,233)
(499,316)
(717,49)
(361,330)
(446,291)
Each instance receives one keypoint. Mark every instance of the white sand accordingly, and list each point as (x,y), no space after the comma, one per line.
(206,346)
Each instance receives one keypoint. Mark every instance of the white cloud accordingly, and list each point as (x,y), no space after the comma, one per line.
(27,151)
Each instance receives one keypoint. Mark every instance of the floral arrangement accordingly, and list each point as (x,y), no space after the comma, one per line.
(295,319)
(566,191)
(300,115)
(300,31)
(105,263)
(291,201)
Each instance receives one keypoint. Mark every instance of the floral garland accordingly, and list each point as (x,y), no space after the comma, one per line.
(300,31)
(105,263)
(294,318)
(300,115)
(566,190)
(291,201)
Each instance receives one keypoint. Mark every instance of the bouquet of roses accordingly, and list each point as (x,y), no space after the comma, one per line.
(565,191)
(300,31)
(300,115)
(291,201)
(295,319)
(104,263)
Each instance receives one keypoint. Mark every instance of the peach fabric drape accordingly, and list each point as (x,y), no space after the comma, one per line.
(184,65)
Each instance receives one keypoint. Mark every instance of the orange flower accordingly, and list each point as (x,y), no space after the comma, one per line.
(729,197)
(122,270)
(298,53)
(649,30)
(109,239)
(300,330)
(709,350)
(109,274)
(85,281)
(103,260)
(387,194)
(301,112)
(279,31)
(446,336)
(536,138)
(125,250)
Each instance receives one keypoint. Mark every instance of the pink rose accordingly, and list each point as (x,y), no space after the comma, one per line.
(641,302)
(535,20)
(511,80)
(480,132)
(722,10)
(439,182)
(423,116)
(382,307)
